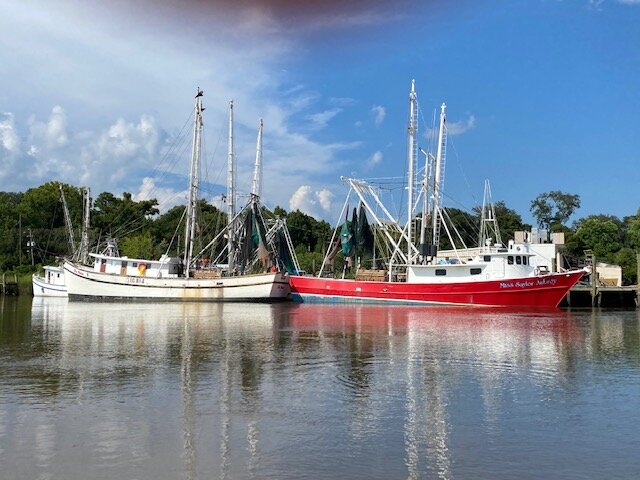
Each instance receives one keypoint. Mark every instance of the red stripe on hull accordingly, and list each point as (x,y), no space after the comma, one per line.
(546,291)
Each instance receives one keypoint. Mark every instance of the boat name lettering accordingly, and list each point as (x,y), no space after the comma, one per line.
(135,280)
(528,283)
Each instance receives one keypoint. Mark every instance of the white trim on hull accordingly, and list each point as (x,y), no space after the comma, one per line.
(86,283)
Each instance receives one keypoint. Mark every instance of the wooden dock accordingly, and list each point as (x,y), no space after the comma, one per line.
(9,284)
(602,296)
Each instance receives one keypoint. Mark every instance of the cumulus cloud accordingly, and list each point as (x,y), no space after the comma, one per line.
(52,133)
(8,137)
(315,203)
(379,113)
(375,159)
(107,159)
(100,133)
(167,197)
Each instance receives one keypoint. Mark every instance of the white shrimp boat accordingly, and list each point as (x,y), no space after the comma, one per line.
(254,270)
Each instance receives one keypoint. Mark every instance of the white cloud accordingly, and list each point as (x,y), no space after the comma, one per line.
(629,2)
(379,113)
(315,203)
(124,96)
(454,128)
(53,132)
(321,120)
(462,126)
(375,159)
(8,136)
(325,198)
(167,197)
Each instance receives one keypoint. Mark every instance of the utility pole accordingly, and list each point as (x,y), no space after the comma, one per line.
(31,244)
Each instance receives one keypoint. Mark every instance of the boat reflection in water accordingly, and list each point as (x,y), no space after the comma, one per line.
(421,354)
(196,390)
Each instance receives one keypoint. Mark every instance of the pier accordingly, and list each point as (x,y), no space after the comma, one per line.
(602,296)
(9,284)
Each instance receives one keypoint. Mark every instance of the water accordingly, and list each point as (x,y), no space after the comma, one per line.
(173,391)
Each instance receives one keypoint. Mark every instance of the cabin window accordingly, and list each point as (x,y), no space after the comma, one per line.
(487,258)
(57,275)
(440,272)
(476,271)
(134,264)
(518,259)
(123,264)
(525,261)
(510,259)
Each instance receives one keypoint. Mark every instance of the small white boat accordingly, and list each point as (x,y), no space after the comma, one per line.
(51,284)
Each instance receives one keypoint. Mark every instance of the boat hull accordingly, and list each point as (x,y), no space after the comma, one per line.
(86,284)
(42,288)
(544,291)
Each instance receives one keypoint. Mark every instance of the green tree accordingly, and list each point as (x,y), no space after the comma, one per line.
(554,208)
(600,233)
(632,237)
(122,216)
(137,246)
(627,259)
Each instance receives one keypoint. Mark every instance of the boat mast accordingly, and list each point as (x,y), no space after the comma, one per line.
(488,218)
(439,178)
(194,183)
(257,170)
(83,253)
(412,155)
(231,203)
(67,221)
(425,203)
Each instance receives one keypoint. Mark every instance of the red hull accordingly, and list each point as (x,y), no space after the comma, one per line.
(546,291)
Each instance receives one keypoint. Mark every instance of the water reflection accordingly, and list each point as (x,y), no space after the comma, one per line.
(317,391)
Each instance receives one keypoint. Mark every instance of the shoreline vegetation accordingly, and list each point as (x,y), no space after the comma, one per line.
(34,233)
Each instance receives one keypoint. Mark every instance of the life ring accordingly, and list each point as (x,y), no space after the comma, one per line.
(142,269)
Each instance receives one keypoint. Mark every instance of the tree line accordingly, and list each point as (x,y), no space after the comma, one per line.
(32,223)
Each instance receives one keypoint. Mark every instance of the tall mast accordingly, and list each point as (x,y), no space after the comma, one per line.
(67,221)
(194,183)
(257,170)
(425,203)
(438,177)
(83,253)
(412,155)
(231,193)
(488,218)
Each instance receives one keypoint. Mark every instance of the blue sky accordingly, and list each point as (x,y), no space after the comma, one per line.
(542,95)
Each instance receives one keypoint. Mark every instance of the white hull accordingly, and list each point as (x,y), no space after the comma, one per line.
(85,283)
(42,288)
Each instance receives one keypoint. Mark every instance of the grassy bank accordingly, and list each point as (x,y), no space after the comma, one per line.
(25,286)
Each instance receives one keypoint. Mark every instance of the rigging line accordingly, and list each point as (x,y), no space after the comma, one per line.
(464,176)
(160,172)
(209,164)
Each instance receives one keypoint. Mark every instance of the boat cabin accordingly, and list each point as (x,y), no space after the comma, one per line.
(53,275)
(166,267)
(493,263)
